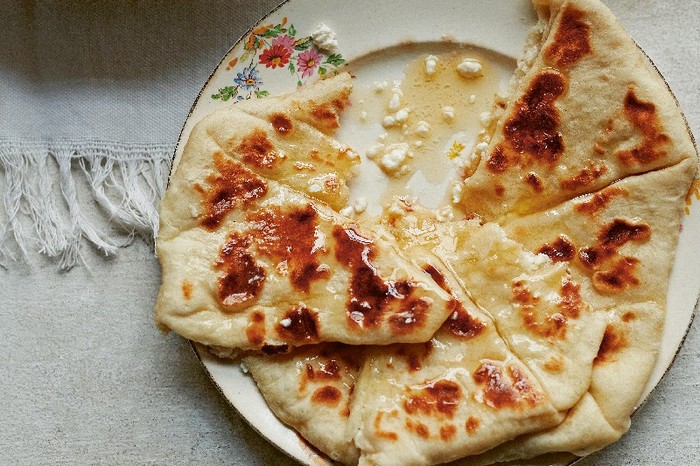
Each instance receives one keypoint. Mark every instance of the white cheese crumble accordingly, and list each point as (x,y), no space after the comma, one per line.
(422,128)
(457,189)
(380,86)
(363,116)
(470,68)
(244,368)
(445,214)
(532,261)
(373,151)
(286,322)
(486,118)
(347,211)
(394,157)
(448,113)
(472,99)
(360,205)
(394,102)
(388,121)
(315,188)
(431,62)
(480,149)
(401,115)
(324,38)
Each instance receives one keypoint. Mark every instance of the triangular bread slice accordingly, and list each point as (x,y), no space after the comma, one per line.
(537,305)
(589,110)
(634,328)
(287,271)
(461,393)
(254,257)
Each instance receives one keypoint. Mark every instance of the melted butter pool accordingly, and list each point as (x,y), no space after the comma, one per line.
(449,105)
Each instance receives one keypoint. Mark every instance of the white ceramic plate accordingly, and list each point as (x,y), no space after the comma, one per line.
(366,27)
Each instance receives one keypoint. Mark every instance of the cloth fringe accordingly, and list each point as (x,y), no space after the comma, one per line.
(44,189)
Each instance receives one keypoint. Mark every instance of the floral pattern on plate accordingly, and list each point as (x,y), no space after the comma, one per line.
(275,48)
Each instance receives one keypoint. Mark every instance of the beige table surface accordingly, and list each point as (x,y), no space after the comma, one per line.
(85,378)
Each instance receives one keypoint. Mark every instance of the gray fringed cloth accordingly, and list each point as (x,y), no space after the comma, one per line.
(92,98)
(43,209)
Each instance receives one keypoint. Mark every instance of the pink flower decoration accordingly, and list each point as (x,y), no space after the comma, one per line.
(285,41)
(307,62)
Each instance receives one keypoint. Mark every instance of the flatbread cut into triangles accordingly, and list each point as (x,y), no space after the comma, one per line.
(312,390)
(459,394)
(634,327)
(589,110)
(622,365)
(548,325)
(537,305)
(253,258)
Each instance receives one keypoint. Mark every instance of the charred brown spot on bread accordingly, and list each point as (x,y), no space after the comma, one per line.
(242,278)
(461,323)
(619,278)
(448,432)
(341,102)
(629,316)
(370,295)
(497,162)
(611,237)
(292,238)
(299,325)
(472,425)
(600,201)
(415,354)
(271,350)
(326,115)
(614,340)
(257,150)
(440,397)
(554,364)
(621,231)
(315,155)
(644,118)
(571,302)
(327,395)
(418,428)
(437,277)
(584,178)
(499,189)
(255,332)
(326,370)
(379,432)
(412,312)
(345,412)
(552,326)
(531,133)
(561,250)
(229,186)
(593,257)
(535,182)
(281,123)
(322,369)
(187,290)
(572,39)
(501,390)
